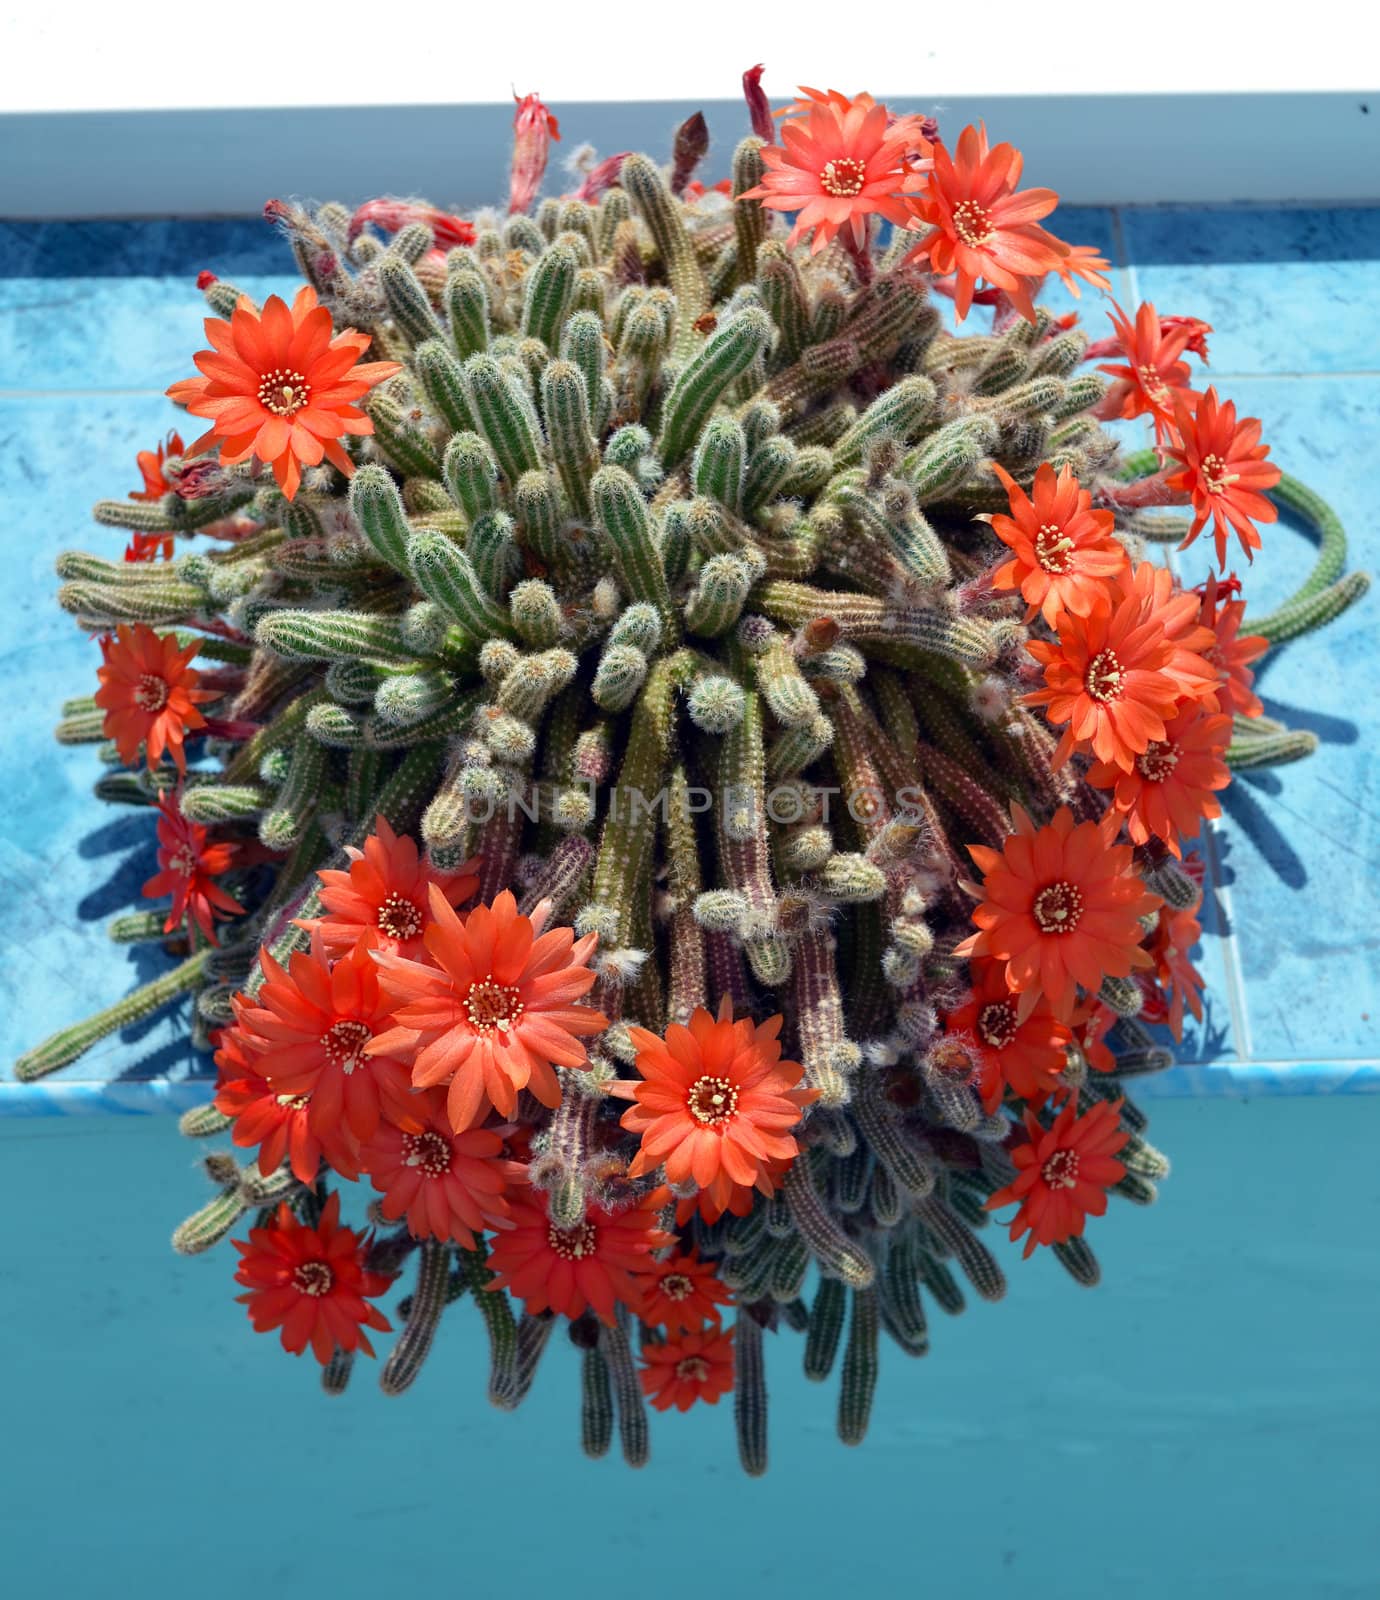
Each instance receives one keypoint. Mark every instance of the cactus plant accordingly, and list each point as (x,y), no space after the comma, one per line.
(605,712)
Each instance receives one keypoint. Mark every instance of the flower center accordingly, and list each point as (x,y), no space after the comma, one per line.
(429,1151)
(712,1100)
(1154,386)
(693,1368)
(399,918)
(572,1244)
(344,1044)
(1106,677)
(1052,546)
(151,692)
(972,223)
(491,1005)
(283,392)
(1060,1171)
(843,177)
(997,1024)
(1213,471)
(1158,761)
(676,1286)
(314,1278)
(183,860)
(1058,908)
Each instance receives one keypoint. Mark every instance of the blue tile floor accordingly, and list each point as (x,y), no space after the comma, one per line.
(1220,1387)
(96,318)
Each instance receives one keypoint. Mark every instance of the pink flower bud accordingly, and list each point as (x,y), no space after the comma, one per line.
(205,279)
(758,109)
(391,215)
(534,128)
(601,177)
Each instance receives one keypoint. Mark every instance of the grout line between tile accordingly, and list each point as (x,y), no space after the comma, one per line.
(1231,959)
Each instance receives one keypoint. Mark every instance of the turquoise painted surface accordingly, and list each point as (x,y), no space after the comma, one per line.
(96,318)
(1203,1425)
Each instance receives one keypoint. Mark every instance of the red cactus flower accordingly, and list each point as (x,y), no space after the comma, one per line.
(496,1013)
(446,1185)
(150,464)
(840,163)
(696,1366)
(1233,652)
(149,693)
(715,1102)
(1151,370)
(312,1024)
(593,1266)
(1063,550)
(1063,1173)
(681,1294)
(1026,1055)
(149,546)
(383,895)
(1171,786)
(1060,908)
(981,226)
(1175,935)
(312,1283)
(1223,470)
(188,869)
(276,1124)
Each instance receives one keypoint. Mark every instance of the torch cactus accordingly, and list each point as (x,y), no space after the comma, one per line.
(675,770)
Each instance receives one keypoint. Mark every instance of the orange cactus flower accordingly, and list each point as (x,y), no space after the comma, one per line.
(1060,908)
(149,693)
(150,464)
(715,1103)
(681,1294)
(279,387)
(312,1283)
(1063,549)
(497,1012)
(1174,937)
(1025,1055)
(982,226)
(384,895)
(839,162)
(312,1025)
(1233,652)
(276,1123)
(1223,471)
(696,1366)
(1105,680)
(1176,613)
(1063,1173)
(1197,331)
(149,546)
(593,1266)
(1083,261)
(1093,1020)
(188,869)
(736,1202)
(447,1185)
(1172,783)
(1152,371)
(533,129)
